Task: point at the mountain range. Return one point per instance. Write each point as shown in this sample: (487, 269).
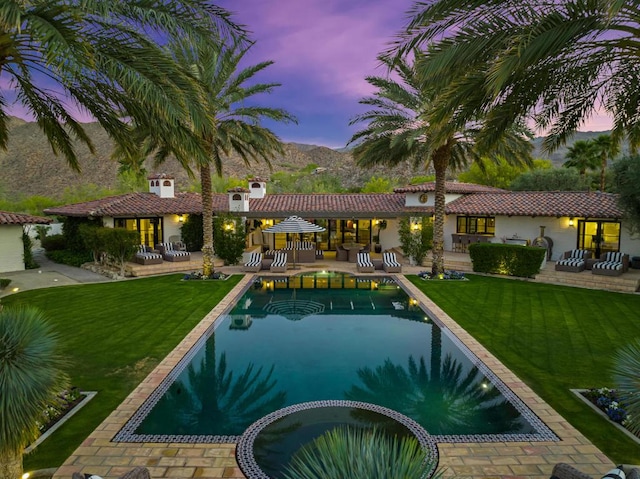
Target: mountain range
(28, 167)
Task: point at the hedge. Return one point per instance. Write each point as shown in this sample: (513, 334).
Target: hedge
(507, 259)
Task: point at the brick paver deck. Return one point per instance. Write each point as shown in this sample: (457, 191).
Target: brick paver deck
(98, 455)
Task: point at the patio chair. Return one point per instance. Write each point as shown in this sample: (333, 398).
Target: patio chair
(611, 264)
(254, 264)
(279, 264)
(566, 471)
(170, 253)
(573, 261)
(364, 263)
(389, 262)
(146, 256)
(342, 254)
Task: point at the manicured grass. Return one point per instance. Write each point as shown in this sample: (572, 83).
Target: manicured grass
(114, 334)
(554, 338)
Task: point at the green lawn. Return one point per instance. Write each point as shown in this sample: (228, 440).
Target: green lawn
(114, 334)
(554, 338)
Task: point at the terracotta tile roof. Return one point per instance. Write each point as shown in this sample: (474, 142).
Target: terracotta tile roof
(345, 205)
(450, 186)
(8, 218)
(137, 204)
(538, 203)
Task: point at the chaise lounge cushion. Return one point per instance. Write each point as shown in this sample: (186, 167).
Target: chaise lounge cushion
(146, 256)
(573, 261)
(170, 253)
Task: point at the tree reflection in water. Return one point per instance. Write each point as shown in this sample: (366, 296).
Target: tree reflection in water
(449, 402)
(212, 401)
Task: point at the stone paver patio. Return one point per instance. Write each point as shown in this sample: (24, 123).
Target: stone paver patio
(98, 455)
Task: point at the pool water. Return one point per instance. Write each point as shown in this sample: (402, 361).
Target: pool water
(330, 336)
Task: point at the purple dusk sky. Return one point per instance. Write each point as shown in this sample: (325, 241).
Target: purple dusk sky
(323, 50)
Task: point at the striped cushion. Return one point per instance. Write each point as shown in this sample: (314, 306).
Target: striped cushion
(608, 265)
(177, 253)
(279, 260)
(364, 260)
(577, 253)
(389, 258)
(571, 262)
(615, 257)
(254, 260)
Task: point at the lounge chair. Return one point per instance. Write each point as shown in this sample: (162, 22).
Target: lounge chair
(611, 264)
(573, 261)
(254, 264)
(364, 263)
(146, 256)
(389, 262)
(279, 264)
(171, 253)
(566, 471)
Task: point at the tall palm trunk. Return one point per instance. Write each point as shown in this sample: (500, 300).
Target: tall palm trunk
(10, 464)
(207, 220)
(440, 161)
(603, 167)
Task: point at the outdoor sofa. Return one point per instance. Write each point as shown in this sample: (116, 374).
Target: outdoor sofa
(611, 264)
(144, 255)
(170, 252)
(573, 261)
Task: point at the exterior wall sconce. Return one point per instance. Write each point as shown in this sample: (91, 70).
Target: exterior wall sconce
(571, 223)
(180, 218)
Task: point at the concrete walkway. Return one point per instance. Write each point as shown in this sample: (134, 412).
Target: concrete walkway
(47, 275)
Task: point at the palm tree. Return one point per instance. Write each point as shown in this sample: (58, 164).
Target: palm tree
(582, 156)
(627, 378)
(556, 62)
(232, 125)
(399, 130)
(606, 148)
(30, 379)
(102, 58)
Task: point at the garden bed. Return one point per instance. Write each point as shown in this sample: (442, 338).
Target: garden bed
(55, 416)
(605, 402)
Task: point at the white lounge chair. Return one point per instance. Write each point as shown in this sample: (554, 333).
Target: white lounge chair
(390, 263)
(279, 264)
(254, 264)
(364, 263)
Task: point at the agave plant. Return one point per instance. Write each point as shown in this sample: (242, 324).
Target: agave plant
(31, 376)
(626, 374)
(361, 454)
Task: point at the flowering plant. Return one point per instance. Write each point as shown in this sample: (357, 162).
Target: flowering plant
(448, 274)
(199, 275)
(607, 400)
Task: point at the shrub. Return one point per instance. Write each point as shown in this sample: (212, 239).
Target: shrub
(71, 231)
(119, 244)
(508, 259)
(416, 242)
(53, 243)
(4, 282)
(93, 240)
(27, 244)
(229, 242)
(71, 258)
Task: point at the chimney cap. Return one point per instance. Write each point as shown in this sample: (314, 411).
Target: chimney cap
(160, 176)
(238, 189)
(257, 178)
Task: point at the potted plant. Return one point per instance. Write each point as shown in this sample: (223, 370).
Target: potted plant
(382, 224)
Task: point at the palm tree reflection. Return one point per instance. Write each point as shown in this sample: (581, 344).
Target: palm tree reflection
(213, 401)
(450, 402)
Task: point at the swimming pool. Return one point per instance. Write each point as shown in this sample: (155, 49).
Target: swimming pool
(330, 336)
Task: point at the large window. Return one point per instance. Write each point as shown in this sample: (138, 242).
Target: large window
(599, 236)
(482, 225)
(150, 229)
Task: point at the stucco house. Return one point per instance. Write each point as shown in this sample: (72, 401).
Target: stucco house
(589, 220)
(11, 245)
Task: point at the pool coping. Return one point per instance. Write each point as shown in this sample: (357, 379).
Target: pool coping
(99, 455)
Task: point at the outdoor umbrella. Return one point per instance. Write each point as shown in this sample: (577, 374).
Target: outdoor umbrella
(294, 224)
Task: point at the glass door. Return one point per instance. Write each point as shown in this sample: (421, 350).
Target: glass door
(599, 236)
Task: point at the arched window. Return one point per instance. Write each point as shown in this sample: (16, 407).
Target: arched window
(166, 183)
(236, 197)
(255, 185)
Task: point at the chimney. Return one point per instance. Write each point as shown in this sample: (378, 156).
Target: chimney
(257, 188)
(238, 199)
(162, 185)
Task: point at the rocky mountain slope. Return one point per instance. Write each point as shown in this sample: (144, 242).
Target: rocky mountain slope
(29, 167)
